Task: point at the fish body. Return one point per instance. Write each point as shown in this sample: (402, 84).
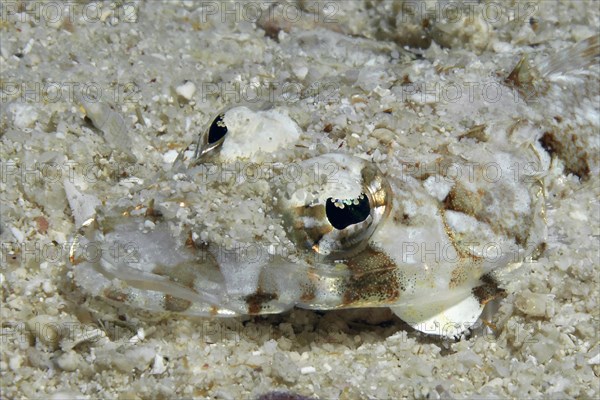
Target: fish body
(326, 232)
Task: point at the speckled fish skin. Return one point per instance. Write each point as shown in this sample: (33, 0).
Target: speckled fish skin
(428, 248)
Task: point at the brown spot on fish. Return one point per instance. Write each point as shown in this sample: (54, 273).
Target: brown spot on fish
(116, 295)
(183, 274)
(462, 200)
(569, 148)
(308, 293)
(458, 276)
(256, 300)
(374, 279)
(176, 304)
(488, 291)
(316, 233)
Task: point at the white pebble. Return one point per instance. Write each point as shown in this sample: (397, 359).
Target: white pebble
(15, 362)
(186, 90)
(139, 336)
(48, 287)
(594, 360)
(437, 187)
(307, 370)
(578, 215)
(270, 346)
(19, 236)
(24, 115)
(66, 395)
(159, 365)
(170, 156)
(131, 181)
(533, 304)
(300, 71)
(28, 46)
(284, 368)
(68, 361)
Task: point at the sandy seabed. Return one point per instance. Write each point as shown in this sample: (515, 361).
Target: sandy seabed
(430, 72)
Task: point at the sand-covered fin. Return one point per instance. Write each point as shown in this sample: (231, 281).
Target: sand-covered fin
(83, 206)
(111, 124)
(576, 58)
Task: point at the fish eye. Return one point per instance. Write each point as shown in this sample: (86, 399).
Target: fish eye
(217, 130)
(343, 213)
(212, 138)
(335, 217)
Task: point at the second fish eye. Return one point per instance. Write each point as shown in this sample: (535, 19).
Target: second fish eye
(217, 129)
(212, 138)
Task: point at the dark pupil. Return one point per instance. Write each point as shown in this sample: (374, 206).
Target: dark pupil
(217, 130)
(352, 213)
